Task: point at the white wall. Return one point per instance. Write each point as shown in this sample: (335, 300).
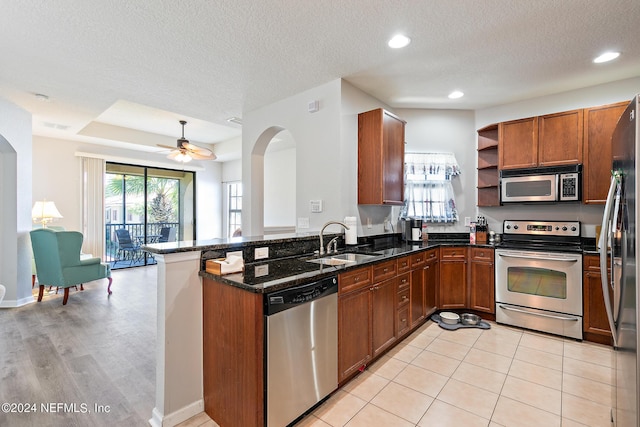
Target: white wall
(15, 197)
(448, 131)
(326, 157)
(317, 139)
(589, 215)
(280, 188)
(57, 171)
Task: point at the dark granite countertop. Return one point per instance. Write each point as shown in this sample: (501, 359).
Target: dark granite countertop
(277, 274)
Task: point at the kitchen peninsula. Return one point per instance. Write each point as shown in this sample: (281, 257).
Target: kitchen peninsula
(179, 361)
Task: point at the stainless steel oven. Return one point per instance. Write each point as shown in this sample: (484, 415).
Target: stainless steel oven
(539, 277)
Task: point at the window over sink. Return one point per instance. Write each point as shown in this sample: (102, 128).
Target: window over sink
(428, 194)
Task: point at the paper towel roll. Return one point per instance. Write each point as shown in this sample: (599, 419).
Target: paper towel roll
(351, 235)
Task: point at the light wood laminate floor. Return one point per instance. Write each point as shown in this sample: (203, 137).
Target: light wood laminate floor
(96, 350)
(101, 351)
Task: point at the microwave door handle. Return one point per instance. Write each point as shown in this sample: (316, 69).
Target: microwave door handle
(605, 238)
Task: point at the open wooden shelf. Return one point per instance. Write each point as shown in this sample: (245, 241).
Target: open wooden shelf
(488, 174)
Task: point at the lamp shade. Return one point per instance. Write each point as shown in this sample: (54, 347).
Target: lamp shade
(44, 212)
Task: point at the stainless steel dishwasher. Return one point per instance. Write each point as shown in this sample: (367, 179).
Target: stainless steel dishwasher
(301, 349)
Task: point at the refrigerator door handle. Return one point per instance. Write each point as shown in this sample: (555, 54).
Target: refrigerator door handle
(605, 238)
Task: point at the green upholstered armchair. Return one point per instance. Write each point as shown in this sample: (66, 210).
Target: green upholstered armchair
(57, 256)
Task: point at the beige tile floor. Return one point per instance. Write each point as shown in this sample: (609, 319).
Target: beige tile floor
(472, 377)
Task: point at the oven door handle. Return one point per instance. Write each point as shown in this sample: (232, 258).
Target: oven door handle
(537, 258)
(573, 319)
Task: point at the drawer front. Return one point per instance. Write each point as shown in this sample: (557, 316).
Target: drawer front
(418, 260)
(403, 297)
(384, 270)
(403, 320)
(404, 281)
(404, 264)
(353, 280)
(453, 253)
(431, 254)
(482, 254)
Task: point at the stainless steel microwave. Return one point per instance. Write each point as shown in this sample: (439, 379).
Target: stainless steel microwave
(541, 185)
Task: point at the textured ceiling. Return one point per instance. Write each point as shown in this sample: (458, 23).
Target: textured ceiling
(128, 71)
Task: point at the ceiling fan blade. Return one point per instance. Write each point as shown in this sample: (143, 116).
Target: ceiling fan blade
(200, 156)
(166, 146)
(199, 152)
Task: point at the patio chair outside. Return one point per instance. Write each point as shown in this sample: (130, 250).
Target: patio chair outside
(127, 250)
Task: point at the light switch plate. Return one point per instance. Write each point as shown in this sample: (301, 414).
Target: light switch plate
(315, 206)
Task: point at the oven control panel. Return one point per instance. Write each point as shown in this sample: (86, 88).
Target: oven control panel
(542, 228)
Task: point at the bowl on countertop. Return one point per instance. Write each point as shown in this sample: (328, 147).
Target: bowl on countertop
(449, 318)
(469, 319)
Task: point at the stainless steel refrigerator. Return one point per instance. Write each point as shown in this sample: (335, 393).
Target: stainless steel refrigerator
(618, 244)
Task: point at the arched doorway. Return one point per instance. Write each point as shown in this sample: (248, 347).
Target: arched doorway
(279, 184)
(275, 191)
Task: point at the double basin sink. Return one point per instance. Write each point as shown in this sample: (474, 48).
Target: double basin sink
(344, 258)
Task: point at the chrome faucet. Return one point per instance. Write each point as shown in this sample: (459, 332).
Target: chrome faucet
(346, 227)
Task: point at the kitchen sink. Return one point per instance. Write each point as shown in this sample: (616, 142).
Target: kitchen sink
(345, 258)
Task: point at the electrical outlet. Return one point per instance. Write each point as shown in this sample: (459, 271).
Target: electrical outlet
(467, 221)
(235, 253)
(261, 253)
(369, 225)
(261, 270)
(387, 225)
(303, 222)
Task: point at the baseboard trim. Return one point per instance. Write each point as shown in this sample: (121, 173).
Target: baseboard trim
(175, 418)
(17, 303)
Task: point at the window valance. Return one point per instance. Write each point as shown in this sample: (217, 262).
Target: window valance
(418, 165)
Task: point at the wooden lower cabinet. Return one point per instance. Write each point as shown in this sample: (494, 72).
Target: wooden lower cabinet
(431, 281)
(452, 289)
(481, 278)
(366, 316)
(417, 311)
(383, 315)
(233, 355)
(354, 340)
(595, 324)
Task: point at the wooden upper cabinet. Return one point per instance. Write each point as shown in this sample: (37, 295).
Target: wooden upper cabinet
(518, 143)
(599, 123)
(560, 138)
(380, 158)
(550, 140)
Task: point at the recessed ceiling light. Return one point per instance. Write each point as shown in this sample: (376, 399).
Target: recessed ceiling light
(399, 41)
(236, 120)
(606, 57)
(456, 94)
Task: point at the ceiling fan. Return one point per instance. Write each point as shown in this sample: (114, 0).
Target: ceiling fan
(186, 151)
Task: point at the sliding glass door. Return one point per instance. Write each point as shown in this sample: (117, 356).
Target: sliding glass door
(145, 205)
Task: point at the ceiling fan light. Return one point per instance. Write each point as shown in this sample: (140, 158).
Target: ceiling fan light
(182, 157)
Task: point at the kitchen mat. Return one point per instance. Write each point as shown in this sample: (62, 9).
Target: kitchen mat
(436, 318)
